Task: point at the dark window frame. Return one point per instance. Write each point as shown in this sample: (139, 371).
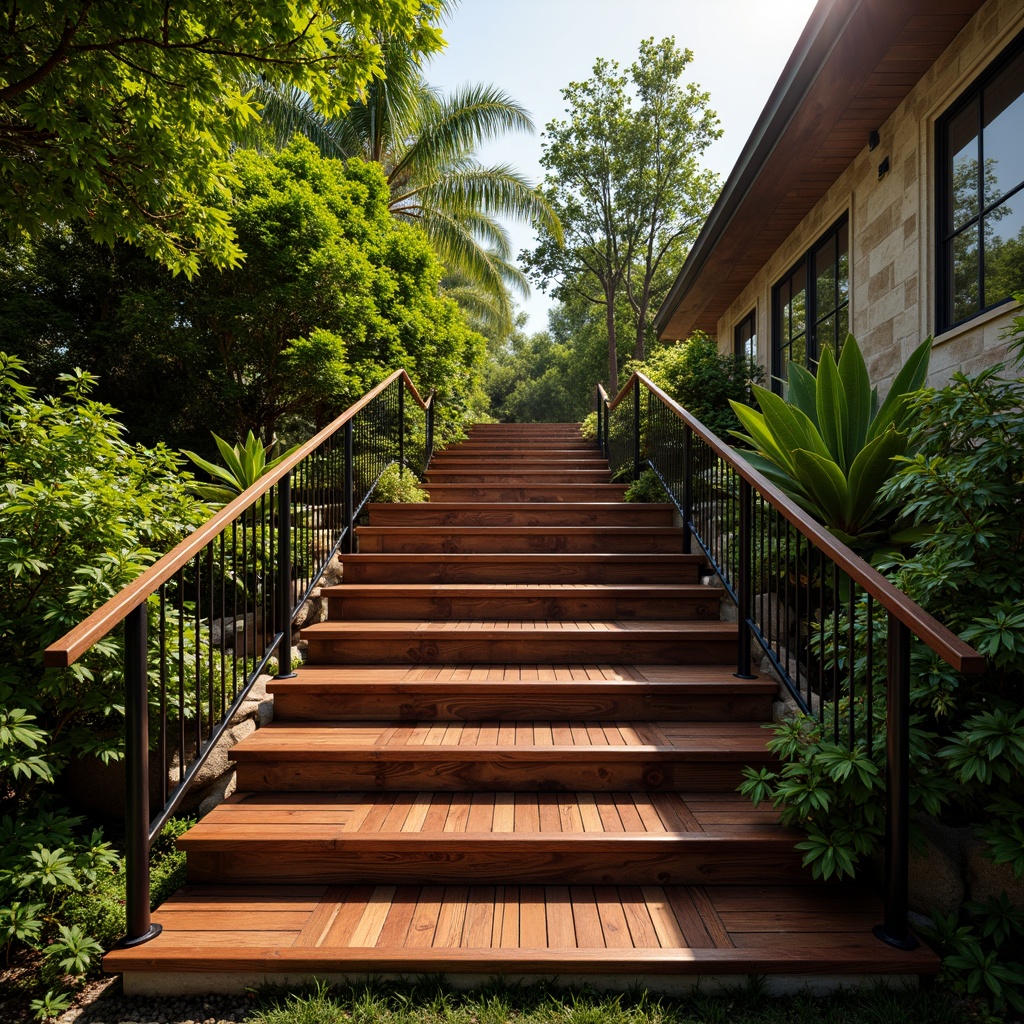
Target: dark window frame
(743, 334)
(945, 232)
(814, 317)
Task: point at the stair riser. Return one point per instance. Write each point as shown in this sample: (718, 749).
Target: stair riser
(546, 650)
(483, 571)
(518, 609)
(516, 478)
(516, 446)
(563, 514)
(627, 863)
(515, 464)
(640, 542)
(534, 492)
(600, 773)
(469, 707)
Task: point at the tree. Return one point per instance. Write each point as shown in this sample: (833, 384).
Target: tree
(426, 143)
(121, 117)
(625, 180)
(333, 294)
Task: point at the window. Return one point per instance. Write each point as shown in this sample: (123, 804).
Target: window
(811, 305)
(980, 147)
(745, 336)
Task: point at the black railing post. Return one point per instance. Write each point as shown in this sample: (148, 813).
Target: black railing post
(429, 450)
(606, 438)
(600, 417)
(687, 489)
(894, 930)
(744, 580)
(136, 816)
(349, 503)
(284, 576)
(401, 423)
(636, 429)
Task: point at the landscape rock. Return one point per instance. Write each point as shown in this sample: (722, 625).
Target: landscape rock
(936, 879)
(986, 879)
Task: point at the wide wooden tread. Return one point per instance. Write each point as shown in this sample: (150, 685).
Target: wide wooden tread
(520, 538)
(524, 741)
(525, 929)
(535, 513)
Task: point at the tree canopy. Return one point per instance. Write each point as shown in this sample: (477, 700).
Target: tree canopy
(121, 117)
(334, 293)
(625, 179)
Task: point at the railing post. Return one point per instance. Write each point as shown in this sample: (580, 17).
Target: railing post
(284, 576)
(600, 417)
(401, 423)
(894, 930)
(744, 580)
(636, 429)
(687, 489)
(606, 439)
(429, 451)
(136, 713)
(349, 502)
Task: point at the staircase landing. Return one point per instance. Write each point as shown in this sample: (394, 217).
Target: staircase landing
(514, 751)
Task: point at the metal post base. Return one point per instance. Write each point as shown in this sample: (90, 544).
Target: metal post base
(743, 675)
(288, 675)
(154, 931)
(909, 942)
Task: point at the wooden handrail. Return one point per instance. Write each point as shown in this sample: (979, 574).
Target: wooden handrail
(70, 647)
(942, 640)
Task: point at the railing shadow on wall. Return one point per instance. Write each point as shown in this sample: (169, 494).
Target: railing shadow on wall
(825, 620)
(203, 623)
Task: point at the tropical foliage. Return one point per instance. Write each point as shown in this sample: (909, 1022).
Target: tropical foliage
(242, 465)
(333, 294)
(830, 445)
(94, 96)
(426, 143)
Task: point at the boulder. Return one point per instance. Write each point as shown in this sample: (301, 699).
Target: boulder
(986, 879)
(936, 878)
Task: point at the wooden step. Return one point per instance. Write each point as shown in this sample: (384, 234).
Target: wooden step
(666, 642)
(532, 930)
(499, 756)
(521, 568)
(482, 513)
(517, 477)
(484, 539)
(533, 448)
(459, 693)
(462, 460)
(578, 838)
(522, 601)
(525, 492)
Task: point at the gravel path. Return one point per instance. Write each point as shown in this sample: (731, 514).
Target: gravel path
(113, 1007)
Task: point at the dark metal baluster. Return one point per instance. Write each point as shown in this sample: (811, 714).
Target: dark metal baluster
(744, 581)
(869, 671)
(284, 576)
(136, 712)
(894, 930)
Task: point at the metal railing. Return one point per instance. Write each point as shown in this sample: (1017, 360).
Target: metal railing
(205, 621)
(826, 621)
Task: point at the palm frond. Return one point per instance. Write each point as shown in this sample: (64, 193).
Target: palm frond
(288, 111)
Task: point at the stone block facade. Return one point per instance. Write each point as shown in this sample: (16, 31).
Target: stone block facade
(892, 227)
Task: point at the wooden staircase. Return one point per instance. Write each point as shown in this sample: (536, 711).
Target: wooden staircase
(514, 750)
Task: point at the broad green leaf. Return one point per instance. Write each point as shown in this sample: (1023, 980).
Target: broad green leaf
(789, 426)
(870, 469)
(832, 411)
(803, 392)
(761, 436)
(910, 379)
(826, 484)
(853, 375)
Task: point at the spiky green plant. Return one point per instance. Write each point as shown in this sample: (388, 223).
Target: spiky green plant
(830, 445)
(243, 465)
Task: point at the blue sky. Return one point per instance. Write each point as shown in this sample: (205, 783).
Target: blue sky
(533, 48)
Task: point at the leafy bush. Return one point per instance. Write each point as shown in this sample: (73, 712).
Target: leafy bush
(962, 491)
(830, 445)
(243, 465)
(399, 484)
(647, 488)
(84, 513)
(702, 380)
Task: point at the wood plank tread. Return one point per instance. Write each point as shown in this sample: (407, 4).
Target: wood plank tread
(529, 929)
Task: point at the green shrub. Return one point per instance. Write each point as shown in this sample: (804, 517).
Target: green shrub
(962, 490)
(399, 484)
(702, 380)
(647, 488)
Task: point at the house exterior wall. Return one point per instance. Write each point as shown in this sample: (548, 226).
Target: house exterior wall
(892, 227)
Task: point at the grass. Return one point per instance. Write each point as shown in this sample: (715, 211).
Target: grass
(430, 1002)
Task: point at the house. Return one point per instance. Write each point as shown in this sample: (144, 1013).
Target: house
(881, 192)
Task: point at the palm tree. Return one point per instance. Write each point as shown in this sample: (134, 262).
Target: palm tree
(426, 144)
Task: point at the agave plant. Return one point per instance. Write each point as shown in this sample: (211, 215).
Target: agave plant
(830, 445)
(243, 465)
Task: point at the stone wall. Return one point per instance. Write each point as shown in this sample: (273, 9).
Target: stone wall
(892, 234)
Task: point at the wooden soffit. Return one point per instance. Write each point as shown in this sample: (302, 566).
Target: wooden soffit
(853, 65)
